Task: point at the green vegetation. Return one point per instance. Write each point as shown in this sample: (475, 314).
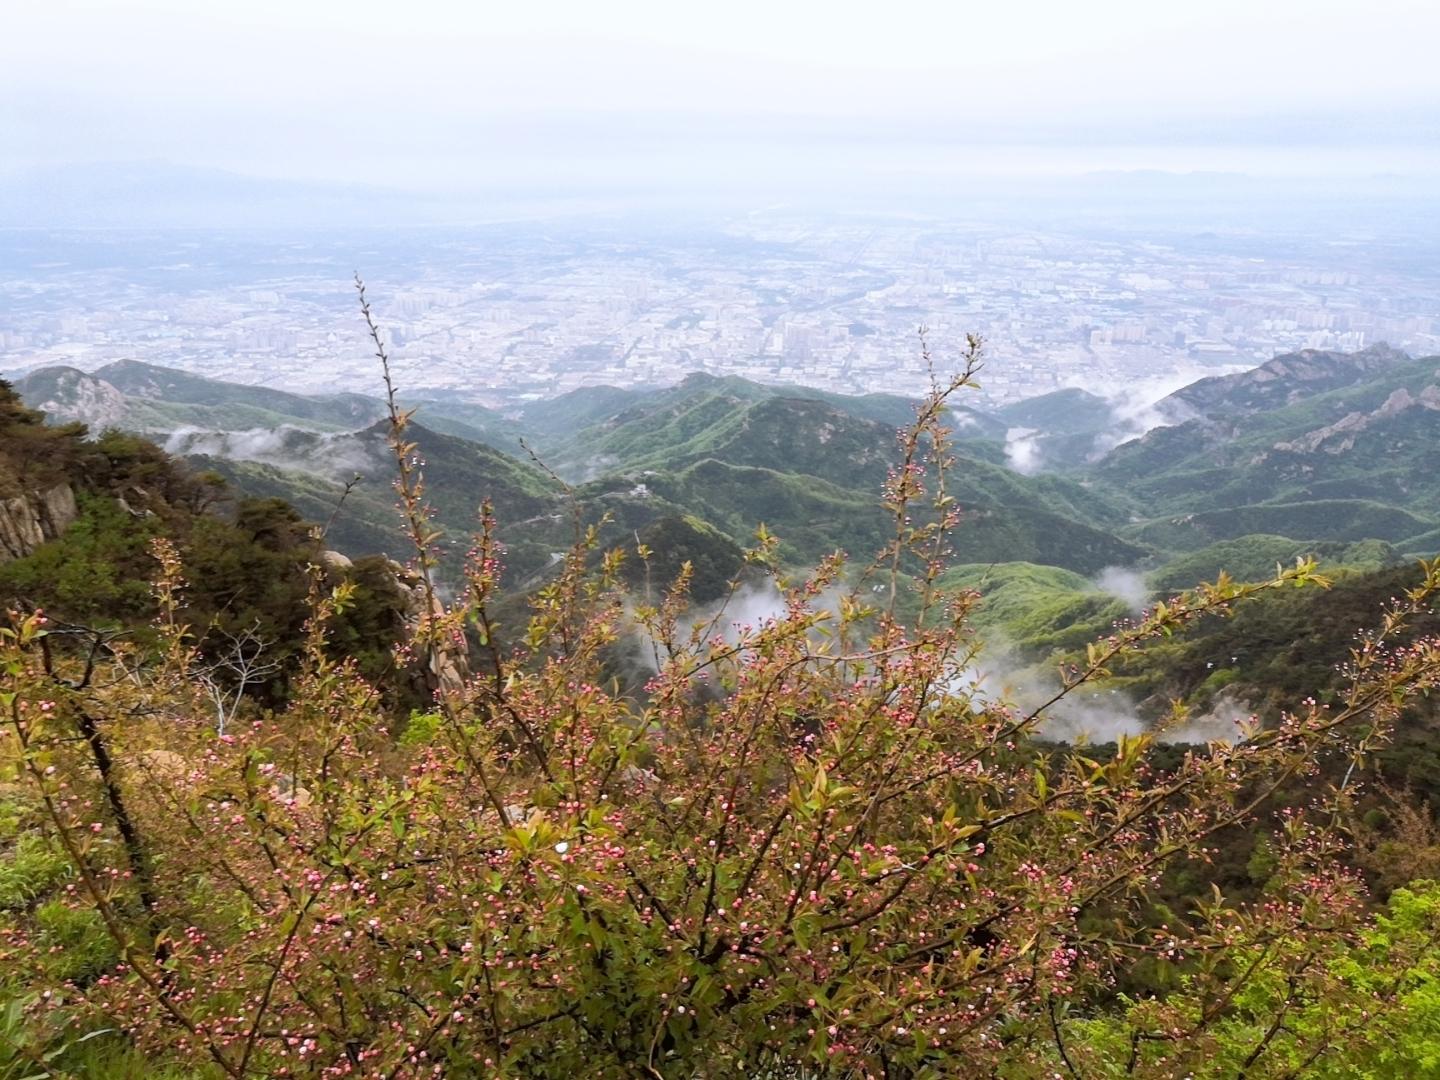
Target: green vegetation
(1071, 411)
(1286, 380)
(1036, 610)
(673, 542)
(696, 417)
(33, 455)
(513, 847)
(1345, 520)
(466, 420)
(1322, 447)
(780, 854)
(1254, 556)
(171, 387)
(1289, 644)
(1349, 454)
(247, 559)
(146, 398)
(99, 566)
(1394, 1012)
(364, 520)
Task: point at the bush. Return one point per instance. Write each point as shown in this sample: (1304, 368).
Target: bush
(30, 871)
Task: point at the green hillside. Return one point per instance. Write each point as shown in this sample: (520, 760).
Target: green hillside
(814, 517)
(1071, 411)
(1335, 519)
(703, 415)
(1281, 382)
(788, 434)
(368, 524)
(467, 420)
(1254, 557)
(576, 410)
(673, 541)
(810, 466)
(1339, 462)
(1315, 452)
(1389, 459)
(1425, 545)
(1279, 648)
(1034, 610)
(560, 417)
(808, 437)
(244, 559)
(66, 393)
(309, 470)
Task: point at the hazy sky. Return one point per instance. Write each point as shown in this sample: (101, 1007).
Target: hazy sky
(446, 92)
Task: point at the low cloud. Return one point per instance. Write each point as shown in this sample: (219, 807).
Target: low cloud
(996, 679)
(1141, 407)
(1226, 718)
(749, 609)
(1125, 585)
(1086, 714)
(1022, 451)
(337, 456)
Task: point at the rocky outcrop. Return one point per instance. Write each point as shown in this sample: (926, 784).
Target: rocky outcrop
(447, 667)
(334, 563)
(1340, 436)
(27, 521)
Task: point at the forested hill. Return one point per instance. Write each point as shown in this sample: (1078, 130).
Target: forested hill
(1282, 381)
(1315, 448)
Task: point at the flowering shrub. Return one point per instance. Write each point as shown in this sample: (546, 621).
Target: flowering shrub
(802, 849)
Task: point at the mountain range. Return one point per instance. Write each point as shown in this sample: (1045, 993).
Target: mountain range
(729, 452)
(1316, 446)
(1313, 451)
(1311, 454)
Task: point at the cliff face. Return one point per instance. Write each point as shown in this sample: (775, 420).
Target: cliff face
(27, 521)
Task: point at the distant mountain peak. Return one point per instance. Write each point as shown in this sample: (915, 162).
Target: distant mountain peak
(129, 364)
(67, 393)
(1278, 382)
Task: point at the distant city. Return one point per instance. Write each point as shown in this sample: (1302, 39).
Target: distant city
(508, 313)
